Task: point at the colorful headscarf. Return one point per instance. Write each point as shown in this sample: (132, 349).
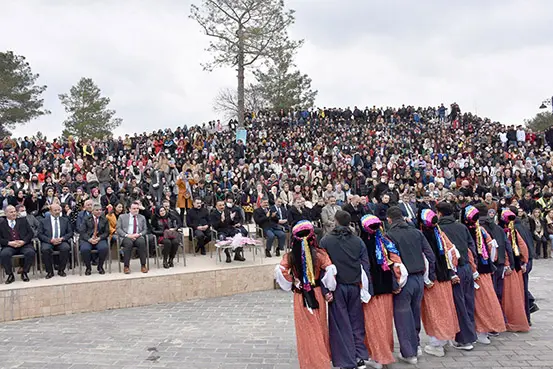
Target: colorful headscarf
(302, 231)
(471, 218)
(508, 217)
(372, 225)
(429, 219)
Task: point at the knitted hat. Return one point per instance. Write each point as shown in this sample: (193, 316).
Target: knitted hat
(303, 228)
(371, 223)
(428, 218)
(471, 214)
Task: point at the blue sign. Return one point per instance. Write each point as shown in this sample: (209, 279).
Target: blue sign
(241, 136)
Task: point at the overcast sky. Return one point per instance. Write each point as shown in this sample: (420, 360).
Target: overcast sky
(493, 57)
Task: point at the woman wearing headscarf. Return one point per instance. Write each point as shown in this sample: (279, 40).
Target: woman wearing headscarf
(165, 228)
(388, 275)
(301, 271)
(488, 316)
(515, 264)
(438, 312)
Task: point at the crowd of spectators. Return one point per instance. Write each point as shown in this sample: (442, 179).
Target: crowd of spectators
(304, 164)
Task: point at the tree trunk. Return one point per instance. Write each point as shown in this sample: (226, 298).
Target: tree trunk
(240, 77)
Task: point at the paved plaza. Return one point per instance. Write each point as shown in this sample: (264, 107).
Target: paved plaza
(249, 331)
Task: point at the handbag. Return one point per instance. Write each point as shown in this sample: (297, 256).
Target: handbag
(170, 234)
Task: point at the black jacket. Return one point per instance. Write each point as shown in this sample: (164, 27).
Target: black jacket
(413, 247)
(460, 236)
(294, 215)
(348, 253)
(45, 234)
(526, 236)
(87, 228)
(197, 217)
(263, 221)
(21, 226)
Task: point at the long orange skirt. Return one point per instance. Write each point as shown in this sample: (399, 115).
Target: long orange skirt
(438, 313)
(379, 328)
(488, 315)
(513, 303)
(312, 333)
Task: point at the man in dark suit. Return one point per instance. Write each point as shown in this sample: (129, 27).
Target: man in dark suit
(408, 209)
(15, 238)
(281, 212)
(94, 233)
(54, 234)
(224, 221)
(197, 218)
(268, 221)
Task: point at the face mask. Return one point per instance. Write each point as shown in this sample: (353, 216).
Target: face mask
(229, 204)
(23, 214)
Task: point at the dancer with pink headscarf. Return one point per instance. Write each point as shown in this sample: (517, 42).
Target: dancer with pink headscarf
(388, 275)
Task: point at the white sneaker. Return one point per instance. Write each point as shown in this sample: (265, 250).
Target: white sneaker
(458, 346)
(483, 338)
(409, 360)
(373, 364)
(434, 350)
(419, 351)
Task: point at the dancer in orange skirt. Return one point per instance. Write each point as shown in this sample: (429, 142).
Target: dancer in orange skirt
(300, 271)
(488, 315)
(387, 275)
(438, 313)
(515, 264)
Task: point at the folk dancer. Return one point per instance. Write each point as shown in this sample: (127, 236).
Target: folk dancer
(300, 271)
(388, 275)
(439, 316)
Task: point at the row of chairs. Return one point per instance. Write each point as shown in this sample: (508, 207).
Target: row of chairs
(219, 249)
(75, 255)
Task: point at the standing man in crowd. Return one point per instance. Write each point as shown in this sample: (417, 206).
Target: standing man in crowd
(413, 248)
(132, 229)
(345, 319)
(54, 234)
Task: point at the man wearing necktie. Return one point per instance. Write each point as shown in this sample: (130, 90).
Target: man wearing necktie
(54, 235)
(132, 229)
(15, 238)
(94, 233)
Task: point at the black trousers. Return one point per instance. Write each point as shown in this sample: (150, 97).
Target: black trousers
(170, 248)
(28, 252)
(128, 244)
(47, 252)
(203, 237)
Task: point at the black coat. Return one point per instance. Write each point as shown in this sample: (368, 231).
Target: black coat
(45, 233)
(87, 228)
(21, 226)
(460, 236)
(197, 217)
(263, 221)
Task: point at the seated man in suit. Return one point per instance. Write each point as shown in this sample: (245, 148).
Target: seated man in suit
(268, 221)
(281, 212)
(54, 235)
(94, 233)
(222, 220)
(15, 238)
(132, 229)
(197, 218)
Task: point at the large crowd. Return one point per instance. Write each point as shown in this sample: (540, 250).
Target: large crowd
(305, 164)
(329, 173)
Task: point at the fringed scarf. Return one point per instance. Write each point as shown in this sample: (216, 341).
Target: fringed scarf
(303, 233)
(383, 247)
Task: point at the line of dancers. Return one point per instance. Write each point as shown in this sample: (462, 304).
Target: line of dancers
(464, 281)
